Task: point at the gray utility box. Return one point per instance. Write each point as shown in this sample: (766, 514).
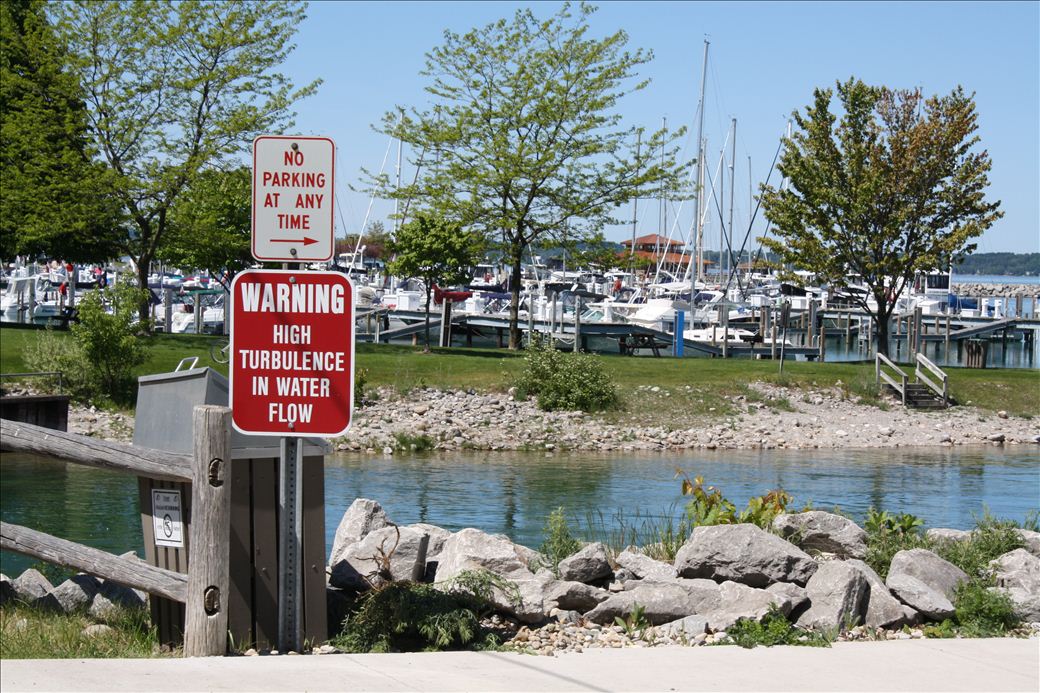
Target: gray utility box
(164, 422)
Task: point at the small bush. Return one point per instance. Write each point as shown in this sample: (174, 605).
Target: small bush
(983, 612)
(562, 380)
(406, 442)
(409, 616)
(774, 629)
(98, 362)
(991, 539)
(558, 543)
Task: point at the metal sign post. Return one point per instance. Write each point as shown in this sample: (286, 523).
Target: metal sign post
(290, 545)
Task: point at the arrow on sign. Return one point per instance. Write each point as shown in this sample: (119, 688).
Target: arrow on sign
(306, 240)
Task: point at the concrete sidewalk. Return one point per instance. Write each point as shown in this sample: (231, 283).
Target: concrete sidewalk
(913, 665)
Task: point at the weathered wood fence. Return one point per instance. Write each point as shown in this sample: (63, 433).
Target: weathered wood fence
(204, 590)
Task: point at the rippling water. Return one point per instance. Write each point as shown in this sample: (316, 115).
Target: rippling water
(513, 493)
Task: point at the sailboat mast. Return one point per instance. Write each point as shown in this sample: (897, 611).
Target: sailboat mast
(732, 189)
(635, 209)
(700, 185)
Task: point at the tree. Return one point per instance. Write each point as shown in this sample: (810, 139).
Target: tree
(56, 201)
(375, 240)
(210, 222)
(523, 139)
(436, 251)
(173, 89)
(893, 188)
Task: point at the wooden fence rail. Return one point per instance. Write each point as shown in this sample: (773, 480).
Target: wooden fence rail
(71, 447)
(204, 590)
(126, 571)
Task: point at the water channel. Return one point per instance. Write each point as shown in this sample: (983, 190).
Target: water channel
(513, 493)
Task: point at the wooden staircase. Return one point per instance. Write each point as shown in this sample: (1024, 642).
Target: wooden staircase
(923, 392)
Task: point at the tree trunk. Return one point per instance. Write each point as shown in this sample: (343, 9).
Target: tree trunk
(881, 332)
(514, 298)
(144, 308)
(427, 338)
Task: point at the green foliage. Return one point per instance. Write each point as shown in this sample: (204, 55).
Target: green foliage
(174, 89)
(774, 629)
(565, 380)
(98, 362)
(883, 522)
(523, 138)
(407, 442)
(707, 505)
(658, 536)
(27, 633)
(1015, 264)
(360, 380)
(210, 223)
(636, 620)
(557, 541)
(437, 251)
(409, 616)
(892, 187)
(991, 539)
(983, 612)
(56, 199)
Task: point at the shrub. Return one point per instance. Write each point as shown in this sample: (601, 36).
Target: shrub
(558, 543)
(981, 611)
(562, 380)
(709, 507)
(410, 616)
(774, 629)
(406, 442)
(990, 539)
(98, 361)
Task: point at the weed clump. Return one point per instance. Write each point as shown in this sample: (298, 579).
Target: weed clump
(774, 629)
(565, 381)
(409, 616)
(558, 542)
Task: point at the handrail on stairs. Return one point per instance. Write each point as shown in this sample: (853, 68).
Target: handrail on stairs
(944, 391)
(879, 375)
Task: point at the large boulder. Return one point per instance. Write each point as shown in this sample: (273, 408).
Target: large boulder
(575, 596)
(644, 567)
(883, 610)
(929, 568)
(362, 517)
(946, 534)
(926, 600)
(528, 600)
(31, 585)
(397, 553)
(792, 593)
(76, 593)
(837, 596)
(688, 627)
(7, 593)
(1018, 574)
(738, 602)
(743, 553)
(820, 531)
(587, 565)
(1031, 539)
(662, 602)
(471, 549)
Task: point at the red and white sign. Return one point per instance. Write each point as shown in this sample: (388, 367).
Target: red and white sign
(293, 187)
(292, 353)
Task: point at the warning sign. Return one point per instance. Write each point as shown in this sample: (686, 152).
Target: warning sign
(166, 518)
(293, 184)
(292, 353)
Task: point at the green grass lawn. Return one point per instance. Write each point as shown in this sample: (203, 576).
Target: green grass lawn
(695, 383)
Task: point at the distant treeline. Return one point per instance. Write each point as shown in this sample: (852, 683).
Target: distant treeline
(1014, 264)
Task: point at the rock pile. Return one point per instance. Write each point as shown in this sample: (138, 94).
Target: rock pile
(967, 289)
(81, 593)
(818, 418)
(722, 574)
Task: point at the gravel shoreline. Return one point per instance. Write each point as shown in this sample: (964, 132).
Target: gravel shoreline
(460, 420)
(977, 289)
(820, 418)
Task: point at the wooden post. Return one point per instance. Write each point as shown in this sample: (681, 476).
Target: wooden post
(772, 345)
(226, 324)
(946, 345)
(725, 331)
(530, 318)
(206, 611)
(823, 340)
(445, 340)
(168, 310)
(577, 323)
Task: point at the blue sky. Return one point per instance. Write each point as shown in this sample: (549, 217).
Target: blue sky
(765, 60)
